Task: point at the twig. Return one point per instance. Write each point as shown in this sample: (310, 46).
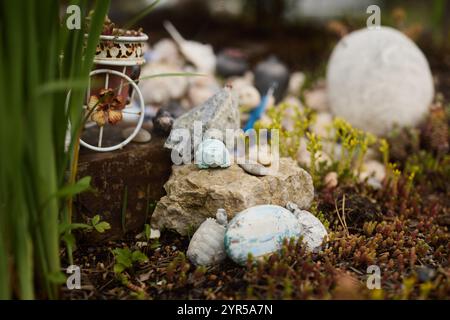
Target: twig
(344, 226)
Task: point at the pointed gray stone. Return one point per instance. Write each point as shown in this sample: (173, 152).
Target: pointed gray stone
(219, 112)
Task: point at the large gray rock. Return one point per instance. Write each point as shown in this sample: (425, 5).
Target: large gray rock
(194, 195)
(219, 112)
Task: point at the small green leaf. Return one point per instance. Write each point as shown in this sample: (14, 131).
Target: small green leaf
(95, 220)
(123, 256)
(82, 185)
(138, 256)
(119, 268)
(102, 226)
(147, 231)
(155, 244)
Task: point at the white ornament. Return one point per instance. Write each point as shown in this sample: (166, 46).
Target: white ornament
(379, 78)
(312, 230)
(200, 55)
(160, 90)
(259, 231)
(249, 97)
(166, 51)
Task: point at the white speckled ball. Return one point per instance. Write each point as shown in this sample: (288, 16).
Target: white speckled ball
(378, 78)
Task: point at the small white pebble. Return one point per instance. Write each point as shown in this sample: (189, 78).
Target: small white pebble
(155, 234)
(331, 180)
(142, 136)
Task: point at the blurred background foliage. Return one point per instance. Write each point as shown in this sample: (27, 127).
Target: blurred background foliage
(302, 33)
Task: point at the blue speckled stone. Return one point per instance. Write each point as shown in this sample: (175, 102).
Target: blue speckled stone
(259, 230)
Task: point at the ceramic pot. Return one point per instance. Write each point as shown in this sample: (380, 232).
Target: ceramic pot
(124, 54)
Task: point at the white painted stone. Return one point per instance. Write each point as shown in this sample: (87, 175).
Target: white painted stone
(249, 97)
(296, 83)
(200, 55)
(154, 234)
(160, 90)
(259, 231)
(290, 113)
(317, 98)
(331, 180)
(379, 78)
(201, 88)
(323, 125)
(373, 169)
(166, 51)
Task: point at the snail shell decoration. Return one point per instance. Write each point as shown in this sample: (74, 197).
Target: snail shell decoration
(207, 247)
(212, 153)
(312, 230)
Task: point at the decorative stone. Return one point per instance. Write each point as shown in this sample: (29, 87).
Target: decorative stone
(212, 153)
(260, 152)
(175, 109)
(323, 125)
(269, 72)
(296, 83)
(200, 55)
(256, 169)
(207, 246)
(313, 232)
(142, 136)
(166, 51)
(259, 231)
(201, 88)
(249, 97)
(246, 80)
(231, 62)
(163, 122)
(194, 195)
(160, 90)
(155, 234)
(317, 98)
(331, 180)
(374, 171)
(219, 112)
(379, 78)
(290, 113)
(199, 94)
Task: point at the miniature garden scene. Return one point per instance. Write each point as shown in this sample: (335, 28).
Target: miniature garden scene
(238, 149)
